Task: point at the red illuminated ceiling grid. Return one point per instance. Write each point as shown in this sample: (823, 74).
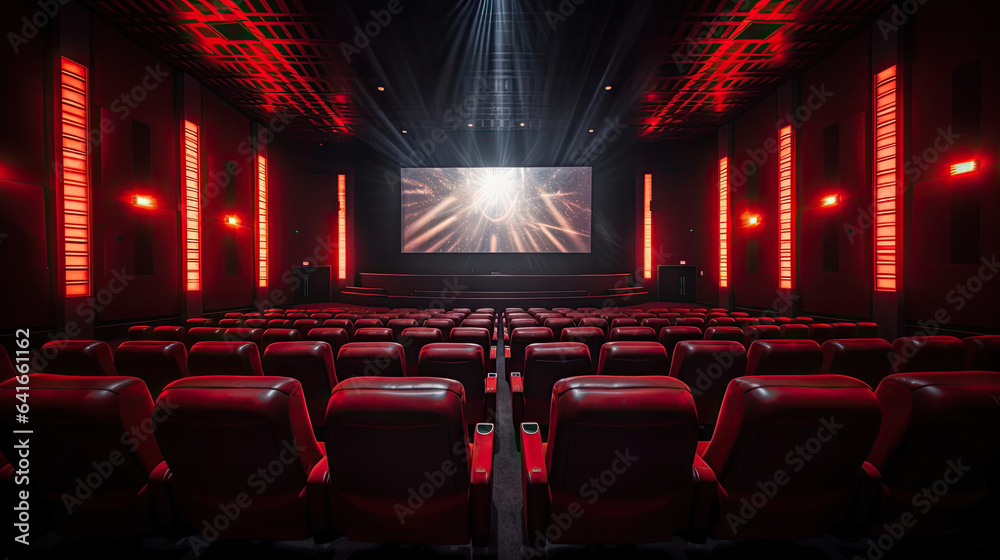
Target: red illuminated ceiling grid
(264, 55)
(886, 181)
(786, 209)
(725, 54)
(261, 222)
(75, 178)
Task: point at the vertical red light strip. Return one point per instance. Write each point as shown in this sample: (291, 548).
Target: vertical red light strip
(342, 227)
(261, 222)
(886, 134)
(75, 178)
(724, 222)
(192, 205)
(786, 206)
(647, 227)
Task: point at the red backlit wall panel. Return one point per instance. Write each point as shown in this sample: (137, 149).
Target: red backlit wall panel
(192, 207)
(886, 182)
(75, 178)
(261, 222)
(342, 227)
(647, 227)
(786, 209)
(724, 222)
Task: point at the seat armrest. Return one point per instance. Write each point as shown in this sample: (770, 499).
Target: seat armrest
(705, 495)
(317, 494)
(534, 482)
(517, 401)
(481, 484)
(866, 501)
(491, 398)
(160, 496)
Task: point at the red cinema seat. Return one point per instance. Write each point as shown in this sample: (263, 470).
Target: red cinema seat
(488, 310)
(592, 337)
(783, 321)
(443, 325)
(557, 324)
(311, 363)
(305, 325)
(938, 451)
(844, 330)
(379, 334)
(670, 336)
(798, 442)
(7, 369)
(821, 332)
(766, 321)
(168, 334)
(321, 316)
(982, 353)
(234, 315)
(656, 324)
(784, 357)
(519, 341)
(198, 322)
(370, 321)
(597, 322)
(465, 363)
(397, 326)
(633, 357)
(77, 357)
(279, 323)
(754, 333)
(672, 317)
(352, 317)
(278, 335)
(794, 331)
(688, 321)
(722, 322)
(463, 310)
(371, 359)
(738, 314)
(418, 317)
(484, 316)
(254, 324)
(230, 323)
(520, 324)
(224, 358)
(348, 326)
(867, 359)
(927, 353)
(744, 322)
(140, 332)
(707, 367)
(732, 334)
(480, 336)
(245, 443)
(203, 334)
(623, 322)
(384, 437)
(632, 333)
(157, 363)
(544, 365)
(413, 339)
(608, 422)
(867, 330)
(244, 334)
(336, 338)
(90, 428)
(643, 315)
(295, 315)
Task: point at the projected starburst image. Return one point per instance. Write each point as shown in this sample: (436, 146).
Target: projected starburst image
(496, 210)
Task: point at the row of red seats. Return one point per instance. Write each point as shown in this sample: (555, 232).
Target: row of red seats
(792, 457)
(316, 364)
(707, 367)
(235, 458)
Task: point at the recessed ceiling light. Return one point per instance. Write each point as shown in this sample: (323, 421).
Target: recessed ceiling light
(522, 124)
(404, 132)
(607, 88)
(591, 130)
(380, 88)
(470, 124)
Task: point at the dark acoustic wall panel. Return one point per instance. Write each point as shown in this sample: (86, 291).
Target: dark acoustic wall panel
(142, 177)
(966, 114)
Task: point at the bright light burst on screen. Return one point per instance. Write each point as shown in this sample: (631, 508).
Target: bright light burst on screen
(496, 210)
